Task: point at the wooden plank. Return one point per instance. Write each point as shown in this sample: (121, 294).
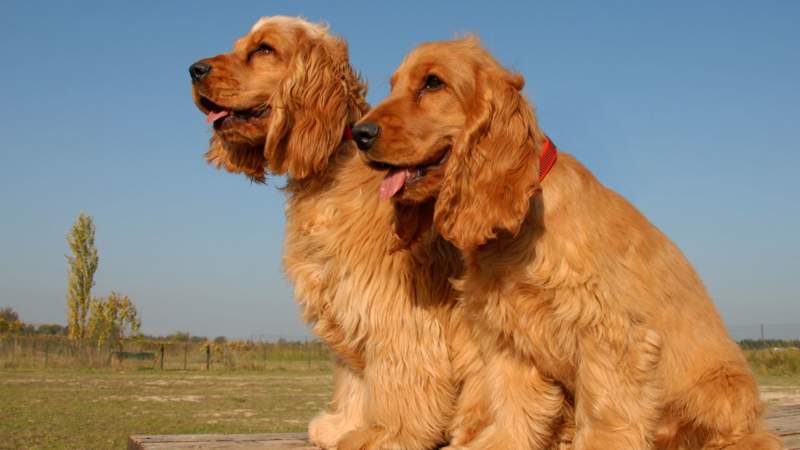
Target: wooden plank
(785, 420)
(271, 441)
(782, 411)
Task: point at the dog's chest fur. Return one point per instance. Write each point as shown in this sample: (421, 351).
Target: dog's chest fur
(533, 322)
(360, 297)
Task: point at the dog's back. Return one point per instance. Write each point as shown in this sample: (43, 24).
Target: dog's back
(710, 396)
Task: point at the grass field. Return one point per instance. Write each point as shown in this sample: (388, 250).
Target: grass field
(68, 408)
(98, 409)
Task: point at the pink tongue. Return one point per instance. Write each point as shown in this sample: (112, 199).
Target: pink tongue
(393, 182)
(213, 116)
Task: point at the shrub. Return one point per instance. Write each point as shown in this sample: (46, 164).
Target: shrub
(775, 361)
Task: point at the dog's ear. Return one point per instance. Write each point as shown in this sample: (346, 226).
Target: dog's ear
(243, 160)
(312, 108)
(494, 167)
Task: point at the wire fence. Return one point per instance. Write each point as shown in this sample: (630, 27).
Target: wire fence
(26, 351)
(256, 353)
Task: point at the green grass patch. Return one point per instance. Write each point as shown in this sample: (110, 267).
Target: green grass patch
(98, 409)
(775, 362)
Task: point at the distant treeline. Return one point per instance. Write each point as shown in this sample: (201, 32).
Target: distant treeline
(54, 329)
(48, 329)
(10, 324)
(757, 344)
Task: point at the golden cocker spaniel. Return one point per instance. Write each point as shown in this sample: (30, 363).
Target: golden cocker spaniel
(573, 294)
(282, 102)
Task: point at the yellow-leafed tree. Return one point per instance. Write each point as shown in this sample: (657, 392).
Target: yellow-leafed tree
(9, 321)
(112, 318)
(82, 266)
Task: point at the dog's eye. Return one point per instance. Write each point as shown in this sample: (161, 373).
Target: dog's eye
(262, 49)
(432, 82)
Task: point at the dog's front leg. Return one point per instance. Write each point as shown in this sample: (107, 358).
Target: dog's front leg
(346, 412)
(618, 390)
(410, 400)
(526, 407)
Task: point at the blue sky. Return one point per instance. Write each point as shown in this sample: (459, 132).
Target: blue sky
(689, 109)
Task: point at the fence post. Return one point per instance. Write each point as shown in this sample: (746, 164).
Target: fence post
(162, 357)
(185, 354)
(208, 357)
(46, 348)
(762, 332)
(14, 349)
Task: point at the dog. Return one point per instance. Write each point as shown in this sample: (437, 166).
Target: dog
(571, 291)
(282, 102)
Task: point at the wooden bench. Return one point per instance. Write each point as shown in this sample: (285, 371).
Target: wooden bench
(783, 419)
(786, 421)
(136, 356)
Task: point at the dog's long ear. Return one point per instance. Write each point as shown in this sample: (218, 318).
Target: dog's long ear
(494, 167)
(312, 108)
(244, 160)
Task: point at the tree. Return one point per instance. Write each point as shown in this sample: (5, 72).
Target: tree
(82, 266)
(179, 336)
(9, 315)
(9, 321)
(112, 319)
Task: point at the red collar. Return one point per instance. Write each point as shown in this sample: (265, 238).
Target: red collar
(547, 159)
(348, 133)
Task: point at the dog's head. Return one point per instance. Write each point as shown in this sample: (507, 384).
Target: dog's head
(456, 129)
(280, 100)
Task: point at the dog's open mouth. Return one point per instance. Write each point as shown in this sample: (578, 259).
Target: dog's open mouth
(220, 116)
(400, 177)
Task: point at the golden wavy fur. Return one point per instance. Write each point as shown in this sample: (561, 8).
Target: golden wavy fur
(572, 292)
(280, 101)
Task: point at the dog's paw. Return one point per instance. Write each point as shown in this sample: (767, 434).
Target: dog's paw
(356, 439)
(364, 438)
(326, 430)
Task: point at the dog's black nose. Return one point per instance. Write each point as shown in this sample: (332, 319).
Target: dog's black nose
(365, 134)
(199, 70)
